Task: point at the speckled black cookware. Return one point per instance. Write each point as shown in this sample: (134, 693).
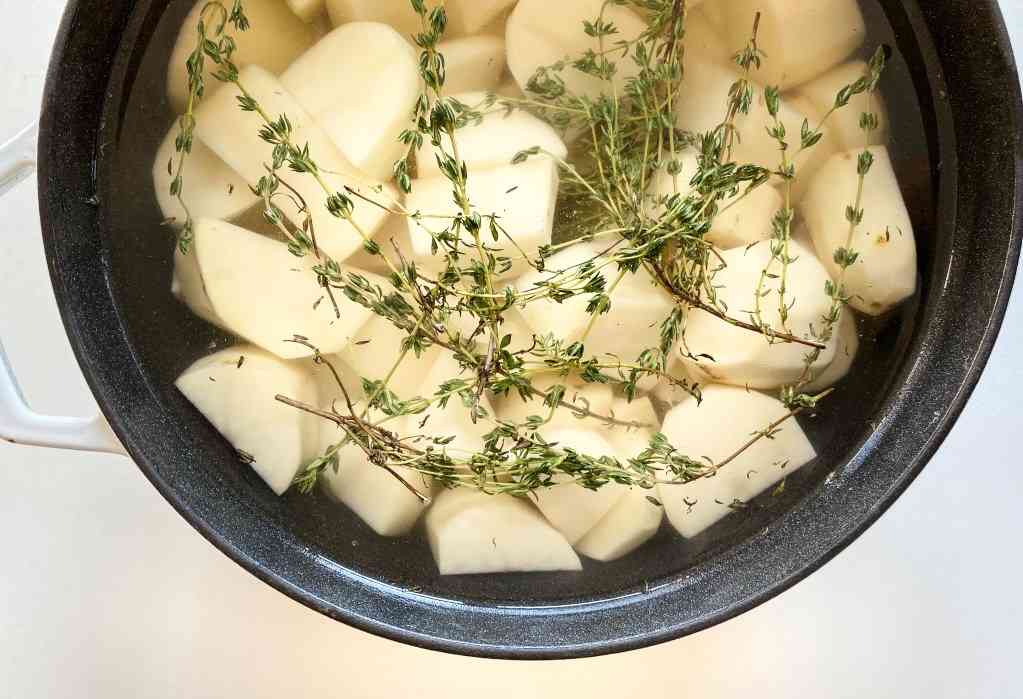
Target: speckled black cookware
(110, 265)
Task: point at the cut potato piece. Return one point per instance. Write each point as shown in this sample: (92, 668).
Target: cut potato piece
(715, 429)
(267, 295)
(541, 33)
(510, 89)
(454, 420)
(844, 124)
(741, 220)
(571, 508)
(307, 10)
(274, 39)
(635, 518)
(331, 396)
(745, 358)
(702, 101)
(394, 233)
(496, 139)
(595, 397)
(188, 288)
(670, 393)
(522, 198)
(472, 64)
(374, 352)
(464, 16)
(632, 324)
(800, 40)
(884, 273)
(379, 498)
(847, 345)
(234, 136)
(211, 188)
(471, 532)
(237, 396)
(357, 59)
(627, 526)
(702, 37)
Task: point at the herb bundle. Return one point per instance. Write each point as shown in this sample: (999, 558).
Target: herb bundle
(625, 135)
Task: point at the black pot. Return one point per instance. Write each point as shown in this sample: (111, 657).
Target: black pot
(110, 266)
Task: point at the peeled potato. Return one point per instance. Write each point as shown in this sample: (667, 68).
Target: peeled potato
(741, 220)
(211, 188)
(702, 38)
(701, 107)
(523, 198)
(496, 139)
(188, 288)
(800, 40)
(471, 532)
(745, 358)
(595, 397)
(632, 325)
(455, 419)
(307, 10)
(234, 136)
(393, 233)
(669, 393)
(627, 526)
(636, 517)
(262, 292)
(571, 508)
(541, 33)
(715, 429)
(884, 274)
(377, 496)
(235, 390)
(847, 342)
(339, 82)
(374, 352)
(510, 89)
(472, 64)
(464, 16)
(844, 124)
(274, 39)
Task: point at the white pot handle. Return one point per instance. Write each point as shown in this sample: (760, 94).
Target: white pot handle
(18, 423)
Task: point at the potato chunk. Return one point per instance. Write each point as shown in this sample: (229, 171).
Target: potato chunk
(453, 420)
(339, 80)
(800, 39)
(745, 358)
(541, 33)
(235, 390)
(884, 273)
(188, 288)
(262, 292)
(496, 139)
(847, 341)
(374, 352)
(522, 199)
(473, 64)
(211, 188)
(464, 16)
(703, 99)
(844, 124)
(632, 324)
(741, 220)
(715, 429)
(234, 136)
(372, 492)
(274, 39)
(471, 532)
(307, 10)
(635, 519)
(571, 508)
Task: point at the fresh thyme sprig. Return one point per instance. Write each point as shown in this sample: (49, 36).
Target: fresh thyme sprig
(627, 134)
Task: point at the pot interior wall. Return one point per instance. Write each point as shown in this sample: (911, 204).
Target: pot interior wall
(166, 338)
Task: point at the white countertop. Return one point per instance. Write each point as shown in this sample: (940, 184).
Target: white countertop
(106, 592)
